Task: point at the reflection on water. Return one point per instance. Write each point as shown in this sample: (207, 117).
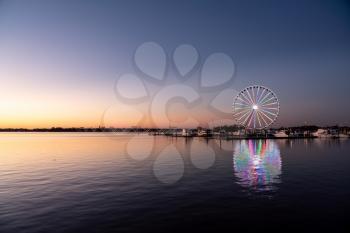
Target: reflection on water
(257, 164)
(79, 182)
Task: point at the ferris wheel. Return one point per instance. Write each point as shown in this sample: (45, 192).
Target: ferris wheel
(256, 107)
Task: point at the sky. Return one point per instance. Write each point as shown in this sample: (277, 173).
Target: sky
(59, 60)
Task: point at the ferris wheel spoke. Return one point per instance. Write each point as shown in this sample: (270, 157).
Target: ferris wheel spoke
(258, 117)
(268, 122)
(250, 97)
(242, 104)
(255, 121)
(244, 118)
(253, 94)
(270, 109)
(240, 113)
(267, 101)
(266, 116)
(257, 94)
(263, 119)
(261, 95)
(271, 113)
(245, 114)
(247, 118)
(265, 96)
(245, 98)
(245, 122)
(240, 97)
(241, 108)
(273, 103)
(243, 101)
(251, 118)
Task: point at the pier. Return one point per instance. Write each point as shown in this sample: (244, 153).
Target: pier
(235, 132)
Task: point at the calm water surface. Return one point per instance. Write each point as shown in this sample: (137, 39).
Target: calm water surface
(74, 182)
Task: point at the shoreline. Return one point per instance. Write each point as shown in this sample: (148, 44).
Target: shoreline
(219, 137)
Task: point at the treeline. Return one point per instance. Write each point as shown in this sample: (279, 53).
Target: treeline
(81, 129)
(226, 128)
(53, 129)
(303, 128)
(313, 128)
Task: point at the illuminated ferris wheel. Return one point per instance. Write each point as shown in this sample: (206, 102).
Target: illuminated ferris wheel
(256, 107)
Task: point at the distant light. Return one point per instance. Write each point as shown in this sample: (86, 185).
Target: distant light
(255, 107)
(256, 161)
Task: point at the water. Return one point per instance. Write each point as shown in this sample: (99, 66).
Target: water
(74, 182)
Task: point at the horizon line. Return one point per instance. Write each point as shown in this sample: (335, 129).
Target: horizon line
(5, 129)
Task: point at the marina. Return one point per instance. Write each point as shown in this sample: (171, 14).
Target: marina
(257, 134)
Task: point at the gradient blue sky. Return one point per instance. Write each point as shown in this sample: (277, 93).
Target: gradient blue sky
(59, 59)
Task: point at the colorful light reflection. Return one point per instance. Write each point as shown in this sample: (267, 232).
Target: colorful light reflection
(257, 164)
